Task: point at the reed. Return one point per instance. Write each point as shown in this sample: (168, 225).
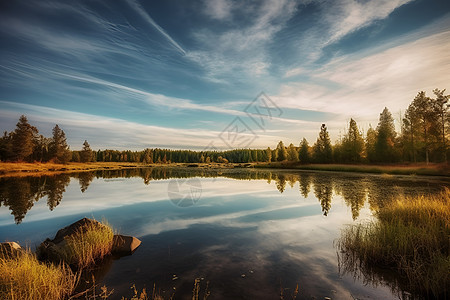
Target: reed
(90, 243)
(411, 237)
(23, 277)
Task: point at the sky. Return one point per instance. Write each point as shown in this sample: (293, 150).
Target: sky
(216, 74)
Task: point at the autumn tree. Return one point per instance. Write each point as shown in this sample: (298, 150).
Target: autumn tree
(86, 154)
(59, 150)
(322, 151)
(23, 139)
(303, 154)
(148, 157)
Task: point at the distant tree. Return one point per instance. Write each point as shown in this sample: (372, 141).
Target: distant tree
(322, 151)
(385, 141)
(292, 154)
(41, 148)
(281, 152)
(147, 159)
(76, 156)
(304, 152)
(441, 108)
(208, 160)
(202, 159)
(275, 155)
(59, 150)
(86, 154)
(23, 139)
(6, 152)
(371, 139)
(268, 154)
(352, 144)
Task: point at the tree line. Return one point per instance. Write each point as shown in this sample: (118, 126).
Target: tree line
(424, 137)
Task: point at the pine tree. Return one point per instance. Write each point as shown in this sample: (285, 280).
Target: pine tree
(292, 154)
(6, 152)
(441, 108)
(322, 151)
(59, 149)
(304, 152)
(268, 154)
(353, 144)
(385, 141)
(23, 139)
(371, 139)
(281, 152)
(86, 154)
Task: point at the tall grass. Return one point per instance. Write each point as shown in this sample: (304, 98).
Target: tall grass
(23, 277)
(90, 243)
(411, 237)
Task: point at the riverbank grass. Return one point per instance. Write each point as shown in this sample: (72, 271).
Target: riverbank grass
(24, 277)
(90, 243)
(410, 237)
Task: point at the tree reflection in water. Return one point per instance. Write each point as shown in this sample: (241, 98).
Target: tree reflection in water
(20, 193)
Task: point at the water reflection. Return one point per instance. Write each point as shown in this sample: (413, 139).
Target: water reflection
(255, 222)
(19, 194)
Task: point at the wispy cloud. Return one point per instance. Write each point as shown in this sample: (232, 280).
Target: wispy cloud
(344, 17)
(361, 86)
(218, 9)
(242, 51)
(138, 8)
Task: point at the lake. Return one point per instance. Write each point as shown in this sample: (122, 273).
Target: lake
(250, 233)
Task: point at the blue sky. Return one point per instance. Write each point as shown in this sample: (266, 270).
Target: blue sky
(132, 74)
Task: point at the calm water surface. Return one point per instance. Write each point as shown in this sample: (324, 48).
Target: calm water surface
(250, 233)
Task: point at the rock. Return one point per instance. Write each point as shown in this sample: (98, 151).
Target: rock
(10, 250)
(124, 245)
(75, 227)
(54, 250)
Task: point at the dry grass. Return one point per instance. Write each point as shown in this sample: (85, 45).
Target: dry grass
(410, 237)
(23, 277)
(156, 294)
(396, 169)
(90, 243)
(39, 169)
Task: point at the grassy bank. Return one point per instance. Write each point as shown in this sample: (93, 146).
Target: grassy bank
(30, 169)
(412, 169)
(411, 238)
(24, 277)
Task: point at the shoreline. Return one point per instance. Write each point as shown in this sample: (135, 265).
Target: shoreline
(15, 169)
